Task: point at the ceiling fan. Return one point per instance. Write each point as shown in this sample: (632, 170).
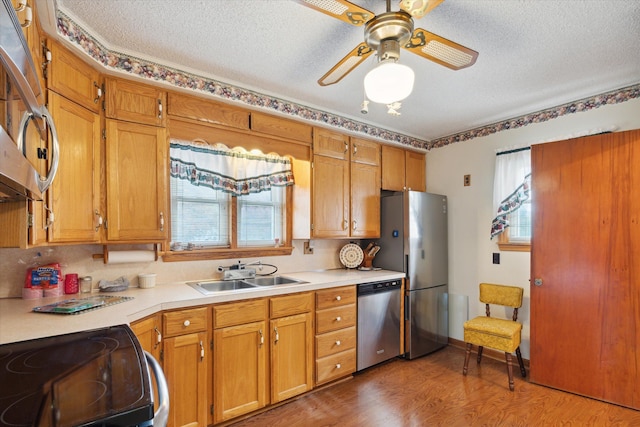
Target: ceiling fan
(387, 32)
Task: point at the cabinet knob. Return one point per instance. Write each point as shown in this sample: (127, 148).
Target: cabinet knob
(186, 323)
(338, 319)
(338, 342)
(338, 366)
(338, 298)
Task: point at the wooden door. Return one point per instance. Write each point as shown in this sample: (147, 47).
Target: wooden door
(137, 169)
(415, 171)
(185, 366)
(240, 380)
(365, 201)
(585, 266)
(330, 196)
(291, 356)
(74, 195)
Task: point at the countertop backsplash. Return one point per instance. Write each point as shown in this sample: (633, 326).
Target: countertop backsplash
(79, 259)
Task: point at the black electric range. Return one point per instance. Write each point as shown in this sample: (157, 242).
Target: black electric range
(92, 378)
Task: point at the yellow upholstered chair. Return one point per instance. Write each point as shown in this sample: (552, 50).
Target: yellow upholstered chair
(495, 333)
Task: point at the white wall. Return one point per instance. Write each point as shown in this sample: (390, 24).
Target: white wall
(470, 208)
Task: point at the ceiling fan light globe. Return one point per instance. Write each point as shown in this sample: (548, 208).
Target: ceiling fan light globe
(389, 82)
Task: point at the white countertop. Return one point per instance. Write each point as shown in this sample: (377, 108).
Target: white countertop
(19, 323)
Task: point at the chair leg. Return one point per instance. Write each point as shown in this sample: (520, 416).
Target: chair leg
(466, 359)
(523, 371)
(510, 370)
(480, 348)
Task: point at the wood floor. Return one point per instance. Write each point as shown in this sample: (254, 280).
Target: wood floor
(431, 391)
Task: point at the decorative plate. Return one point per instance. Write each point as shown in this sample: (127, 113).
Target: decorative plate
(351, 255)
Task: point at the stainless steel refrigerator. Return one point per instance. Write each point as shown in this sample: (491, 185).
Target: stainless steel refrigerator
(413, 239)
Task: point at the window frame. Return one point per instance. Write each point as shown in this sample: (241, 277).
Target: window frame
(235, 251)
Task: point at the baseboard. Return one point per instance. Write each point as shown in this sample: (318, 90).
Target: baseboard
(487, 352)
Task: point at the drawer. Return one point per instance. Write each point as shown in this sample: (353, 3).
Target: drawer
(289, 305)
(185, 321)
(335, 342)
(332, 319)
(335, 297)
(335, 366)
(238, 313)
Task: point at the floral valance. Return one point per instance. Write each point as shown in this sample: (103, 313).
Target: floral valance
(234, 171)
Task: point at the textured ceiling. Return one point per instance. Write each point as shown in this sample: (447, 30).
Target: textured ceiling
(533, 55)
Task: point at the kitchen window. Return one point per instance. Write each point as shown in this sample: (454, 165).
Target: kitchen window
(228, 203)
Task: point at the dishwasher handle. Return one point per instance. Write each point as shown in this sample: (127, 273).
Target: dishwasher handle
(161, 416)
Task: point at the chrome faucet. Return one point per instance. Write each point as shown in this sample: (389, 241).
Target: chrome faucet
(238, 271)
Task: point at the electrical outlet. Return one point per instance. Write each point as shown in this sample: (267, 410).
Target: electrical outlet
(308, 249)
(467, 180)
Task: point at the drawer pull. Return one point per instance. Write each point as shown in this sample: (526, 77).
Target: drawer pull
(186, 323)
(338, 298)
(338, 342)
(338, 319)
(338, 366)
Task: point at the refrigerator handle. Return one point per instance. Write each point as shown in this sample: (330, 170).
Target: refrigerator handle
(406, 265)
(406, 307)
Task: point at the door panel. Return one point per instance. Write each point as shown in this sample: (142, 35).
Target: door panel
(586, 253)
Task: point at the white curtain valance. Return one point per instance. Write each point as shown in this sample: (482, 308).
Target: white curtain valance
(234, 171)
(511, 185)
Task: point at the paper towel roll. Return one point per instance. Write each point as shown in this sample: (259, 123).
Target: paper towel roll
(120, 257)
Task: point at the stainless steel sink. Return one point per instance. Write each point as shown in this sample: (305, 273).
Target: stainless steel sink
(209, 287)
(272, 281)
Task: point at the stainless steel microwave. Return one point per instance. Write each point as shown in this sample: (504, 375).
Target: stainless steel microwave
(21, 92)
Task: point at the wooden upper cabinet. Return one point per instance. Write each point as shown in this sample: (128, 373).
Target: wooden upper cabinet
(281, 127)
(73, 78)
(74, 196)
(365, 152)
(330, 144)
(346, 186)
(403, 169)
(207, 111)
(137, 179)
(415, 171)
(134, 102)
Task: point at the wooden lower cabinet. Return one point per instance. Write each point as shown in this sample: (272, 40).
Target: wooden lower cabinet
(186, 366)
(291, 347)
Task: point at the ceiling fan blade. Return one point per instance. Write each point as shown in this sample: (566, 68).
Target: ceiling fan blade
(419, 8)
(438, 49)
(341, 9)
(346, 64)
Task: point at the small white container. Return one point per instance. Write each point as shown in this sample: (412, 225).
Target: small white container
(146, 281)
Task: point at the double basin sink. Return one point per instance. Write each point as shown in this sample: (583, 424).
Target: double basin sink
(209, 287)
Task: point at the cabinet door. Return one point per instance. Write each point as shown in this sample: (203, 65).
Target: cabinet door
(136, 181)
(74, 196)
(365, 200)
(393, 168)
(291, 356)
(415, 172)
(239, 352)
(147, 331)
(330, 197)
(185, 366)
(134, 102)
(330, 144)
(74, 79)
(365, 152)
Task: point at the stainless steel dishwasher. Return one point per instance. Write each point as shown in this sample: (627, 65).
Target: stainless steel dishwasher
(378, 322)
